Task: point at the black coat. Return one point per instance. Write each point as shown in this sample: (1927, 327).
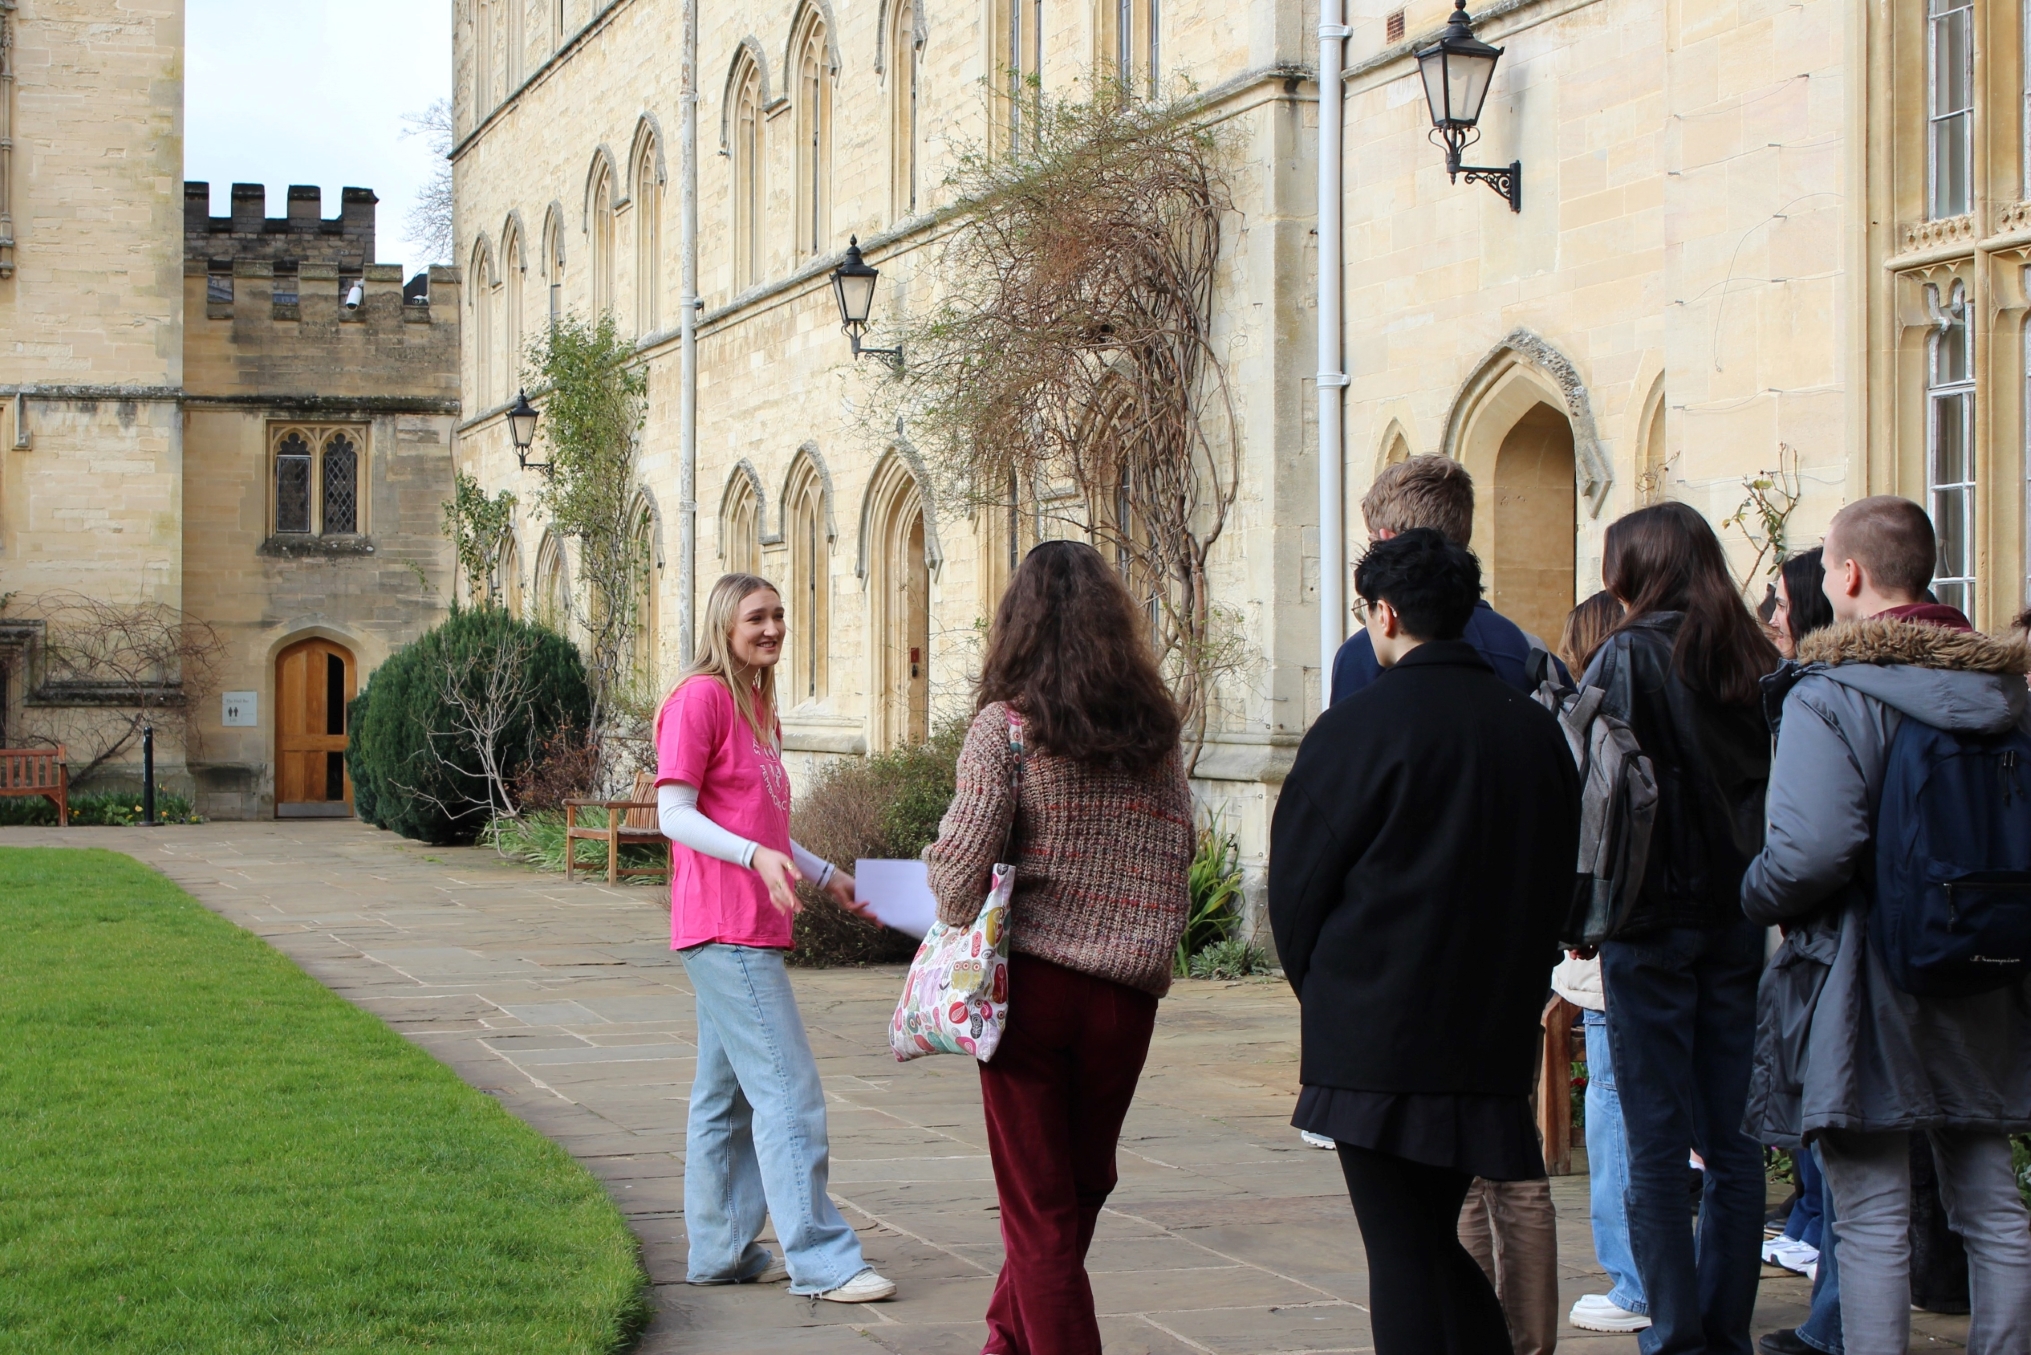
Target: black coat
(1713, 764)
(1421, 861)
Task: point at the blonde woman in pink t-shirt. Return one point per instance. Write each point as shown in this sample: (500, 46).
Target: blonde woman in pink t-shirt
(755, 1143)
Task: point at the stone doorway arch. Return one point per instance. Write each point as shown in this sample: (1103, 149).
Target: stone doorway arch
(1524, 428)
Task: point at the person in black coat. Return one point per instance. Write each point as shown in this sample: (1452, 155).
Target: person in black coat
(1421, 862)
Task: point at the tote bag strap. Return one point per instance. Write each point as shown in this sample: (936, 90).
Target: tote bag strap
(1015, 783)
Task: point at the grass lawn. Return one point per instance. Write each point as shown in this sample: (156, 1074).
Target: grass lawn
(204, 1150)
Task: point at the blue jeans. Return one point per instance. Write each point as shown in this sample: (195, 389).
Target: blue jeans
(1682, 1023)
(1822, 1329)
(1807, 1221)
(755, 1143)
(1608, 1170)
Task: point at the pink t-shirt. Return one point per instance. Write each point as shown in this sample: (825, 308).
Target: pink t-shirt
(702, 741)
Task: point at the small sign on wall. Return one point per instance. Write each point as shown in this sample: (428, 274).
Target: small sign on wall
(238, 709)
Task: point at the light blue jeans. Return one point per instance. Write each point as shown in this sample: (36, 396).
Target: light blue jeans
(755, 1143)
(1608, 1169)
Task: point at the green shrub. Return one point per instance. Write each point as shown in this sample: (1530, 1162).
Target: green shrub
(414, 755)
(1229, 958)
(1214, 881)
(97, 809)
(884, 807)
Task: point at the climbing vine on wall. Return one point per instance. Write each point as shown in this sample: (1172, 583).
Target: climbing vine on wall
(478, 527)
(1764, 516)
(594, 403)
(1068, 368)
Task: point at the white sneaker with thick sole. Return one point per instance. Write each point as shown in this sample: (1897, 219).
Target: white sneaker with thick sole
(866, 1287)
(1593, 1312)
(1791, 1254)
(774, 1273)
(1312, 1140)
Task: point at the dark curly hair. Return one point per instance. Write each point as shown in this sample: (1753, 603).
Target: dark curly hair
(1067, 650)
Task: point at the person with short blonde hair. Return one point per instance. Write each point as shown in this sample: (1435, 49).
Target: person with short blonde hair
(1435, 492)
(1425, 491)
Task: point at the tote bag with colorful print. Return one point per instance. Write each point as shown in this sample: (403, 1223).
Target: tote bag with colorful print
(956, 995)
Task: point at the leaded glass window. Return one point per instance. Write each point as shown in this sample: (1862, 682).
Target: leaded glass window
(317, 479)
(341, 485)
(292, 484)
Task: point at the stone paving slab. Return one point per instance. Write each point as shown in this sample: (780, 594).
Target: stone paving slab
(564, 1002)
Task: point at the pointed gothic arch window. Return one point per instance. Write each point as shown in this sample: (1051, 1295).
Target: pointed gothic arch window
(811, 70)
(317, 479)
(906, 68)
(648, 237)
(553, 262)
(512, 271)
(506, 582)
(553, 586)
(807, 529)
(747, 175)
(602, 241)
(642, 591)
(900, 591)
(483, 302)
(740, 526)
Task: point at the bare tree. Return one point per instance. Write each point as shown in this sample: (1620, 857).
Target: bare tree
(100, 671)
(429, 220)
(1069, 374)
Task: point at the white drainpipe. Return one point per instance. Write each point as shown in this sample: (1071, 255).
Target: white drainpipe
(1332, 376)
(688, 306)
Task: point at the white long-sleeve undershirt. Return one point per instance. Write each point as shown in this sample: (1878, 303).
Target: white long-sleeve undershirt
(681, 820)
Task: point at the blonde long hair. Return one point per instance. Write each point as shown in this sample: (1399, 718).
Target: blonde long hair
(754, 698)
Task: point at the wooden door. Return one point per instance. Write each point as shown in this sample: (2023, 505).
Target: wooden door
(314, 681)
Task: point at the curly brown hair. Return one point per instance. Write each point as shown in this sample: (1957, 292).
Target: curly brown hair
(1067, 651)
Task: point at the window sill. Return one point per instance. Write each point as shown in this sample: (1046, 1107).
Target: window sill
(294, 546)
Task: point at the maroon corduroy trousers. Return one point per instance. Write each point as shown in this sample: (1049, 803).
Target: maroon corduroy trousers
(1055, 1096)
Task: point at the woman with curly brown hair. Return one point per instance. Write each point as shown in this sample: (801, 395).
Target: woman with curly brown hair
(1098, 822)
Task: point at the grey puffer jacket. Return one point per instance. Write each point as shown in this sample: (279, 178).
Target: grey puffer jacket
(1838, 1045)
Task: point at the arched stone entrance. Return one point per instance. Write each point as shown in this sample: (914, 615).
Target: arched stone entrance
(314, 681)
(896, 538)
(1535, 523)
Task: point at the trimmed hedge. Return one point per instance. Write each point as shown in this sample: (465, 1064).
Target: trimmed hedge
(412, 772)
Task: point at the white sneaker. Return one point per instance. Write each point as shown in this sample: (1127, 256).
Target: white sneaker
(775, 1272)
(1791, 1254)
(1312, 1140)
(866, 1287)
(1593, 1312)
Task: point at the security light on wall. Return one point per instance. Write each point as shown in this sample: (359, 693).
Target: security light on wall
(853, 287)
(1458, 70)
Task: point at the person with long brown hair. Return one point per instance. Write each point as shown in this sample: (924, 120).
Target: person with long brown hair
(1073, 762)
(755, 1141)
(1684, 668)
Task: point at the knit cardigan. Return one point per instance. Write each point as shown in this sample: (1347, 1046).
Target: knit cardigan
(1101, 856)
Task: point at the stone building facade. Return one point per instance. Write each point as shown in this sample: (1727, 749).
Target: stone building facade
(1783, 243)
(198, 423)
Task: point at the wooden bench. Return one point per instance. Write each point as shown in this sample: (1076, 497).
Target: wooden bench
(38, 771)
(628, 822)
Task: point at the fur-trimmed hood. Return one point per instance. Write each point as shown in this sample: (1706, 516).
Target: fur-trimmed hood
(1878, 640)
(1950, 679)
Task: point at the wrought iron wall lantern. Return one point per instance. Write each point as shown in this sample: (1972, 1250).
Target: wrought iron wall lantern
(853, 286)
(1457, 71)
(522, 428)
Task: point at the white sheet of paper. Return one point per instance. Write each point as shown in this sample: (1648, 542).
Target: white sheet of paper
(897, 892)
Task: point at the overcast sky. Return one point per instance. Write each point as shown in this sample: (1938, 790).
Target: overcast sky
(313, 91)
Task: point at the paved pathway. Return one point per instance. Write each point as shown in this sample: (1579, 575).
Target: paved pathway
(565, 1003)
